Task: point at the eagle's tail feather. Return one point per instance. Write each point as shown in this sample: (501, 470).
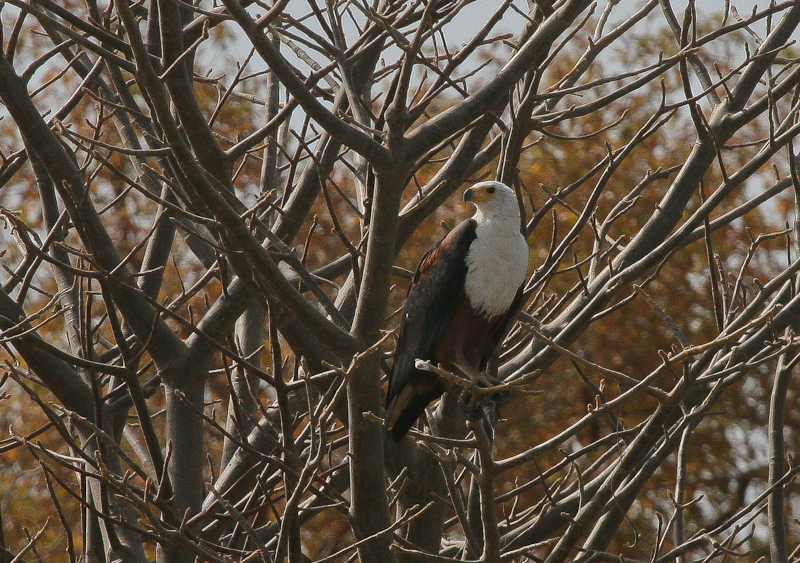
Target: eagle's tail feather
(404, 410)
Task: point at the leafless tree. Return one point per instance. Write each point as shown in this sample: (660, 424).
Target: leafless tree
(187, 243)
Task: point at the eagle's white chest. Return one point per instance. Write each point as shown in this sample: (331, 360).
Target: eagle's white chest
(497, 263)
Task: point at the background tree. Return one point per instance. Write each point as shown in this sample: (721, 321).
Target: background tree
(203, 266)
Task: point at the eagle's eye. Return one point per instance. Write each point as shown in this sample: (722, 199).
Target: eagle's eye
(491, 190)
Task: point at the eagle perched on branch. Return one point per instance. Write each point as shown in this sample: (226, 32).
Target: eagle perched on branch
(465, 291)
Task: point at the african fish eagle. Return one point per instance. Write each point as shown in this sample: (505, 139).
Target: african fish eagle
(466, 289)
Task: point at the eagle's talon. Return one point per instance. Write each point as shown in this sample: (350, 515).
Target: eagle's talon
(469, 406)
(486, 380)
(484, 404)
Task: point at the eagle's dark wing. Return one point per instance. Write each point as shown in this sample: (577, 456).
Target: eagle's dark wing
(437, 287)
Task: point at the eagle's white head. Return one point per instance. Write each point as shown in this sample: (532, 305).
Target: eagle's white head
(493, 199)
